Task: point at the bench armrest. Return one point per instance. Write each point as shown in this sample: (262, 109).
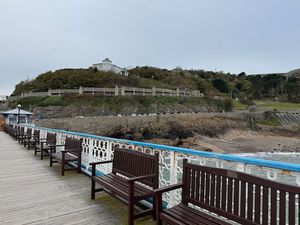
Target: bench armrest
(58, 145)
(49, 143)
(134, 179)
(93, 164)
(167, 188)
(70, 150)
(44, 141)
(101, 162)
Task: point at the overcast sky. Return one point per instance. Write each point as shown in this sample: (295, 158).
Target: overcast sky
(255, 36)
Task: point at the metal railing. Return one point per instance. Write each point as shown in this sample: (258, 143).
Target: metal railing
(98, 148)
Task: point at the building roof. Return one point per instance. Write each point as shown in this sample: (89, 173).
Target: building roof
(16, 111)
(107, 60)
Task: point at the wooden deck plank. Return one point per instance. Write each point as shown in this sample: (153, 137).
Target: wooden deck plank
(33, 193)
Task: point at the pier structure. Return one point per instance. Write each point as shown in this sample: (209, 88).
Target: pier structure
(33, 192)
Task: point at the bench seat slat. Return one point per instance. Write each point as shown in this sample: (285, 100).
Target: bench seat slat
(119, 182)
(120, 186)
(45, 146)
(186, 215)
(68, 157)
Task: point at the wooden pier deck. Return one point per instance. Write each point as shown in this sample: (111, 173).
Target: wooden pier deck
(33, 193)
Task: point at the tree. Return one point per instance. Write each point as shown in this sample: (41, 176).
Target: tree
(221, 85)
(293, 89)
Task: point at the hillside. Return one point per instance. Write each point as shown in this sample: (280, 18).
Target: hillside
(279, 86)
(71, 106)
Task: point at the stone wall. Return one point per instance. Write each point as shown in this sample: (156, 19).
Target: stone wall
(110, 125)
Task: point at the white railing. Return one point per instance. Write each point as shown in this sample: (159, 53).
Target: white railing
(99, 148)
(117, 91)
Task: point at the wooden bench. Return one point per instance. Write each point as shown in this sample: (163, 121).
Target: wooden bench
(32, 141)
(134, 175)
(7, 128)
(26, 135)
(236, 196)
(14, 130)
(10, 130)
(44, 146)
(20, 132)
(71, 153)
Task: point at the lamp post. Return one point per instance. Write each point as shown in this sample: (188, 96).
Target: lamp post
(19, 107)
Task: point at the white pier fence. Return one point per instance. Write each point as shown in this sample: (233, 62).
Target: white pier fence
(99, 148)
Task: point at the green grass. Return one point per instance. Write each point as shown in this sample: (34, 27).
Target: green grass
(39, 101)
(269, 122)
(115, 104)
(237, 105)
(277, 105)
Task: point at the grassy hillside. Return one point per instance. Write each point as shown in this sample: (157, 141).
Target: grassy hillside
(277, 105)
(285, 87)
(125, 105)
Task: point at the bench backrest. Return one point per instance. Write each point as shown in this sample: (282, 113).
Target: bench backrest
(29, 132)
(131, 163)
(240, 197)
(76, 144)
(36, 134)
(51, 137)
(21, 130)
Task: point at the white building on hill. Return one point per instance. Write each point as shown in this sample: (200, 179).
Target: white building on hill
(107, 66)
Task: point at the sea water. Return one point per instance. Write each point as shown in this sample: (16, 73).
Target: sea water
(288, 157)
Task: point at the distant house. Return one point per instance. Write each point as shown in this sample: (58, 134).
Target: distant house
(177, 68)
(107, 66)
(14, 115)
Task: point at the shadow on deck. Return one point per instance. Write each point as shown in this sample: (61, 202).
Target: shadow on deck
(33, 193)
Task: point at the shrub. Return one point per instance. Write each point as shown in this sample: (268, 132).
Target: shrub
(228, 104)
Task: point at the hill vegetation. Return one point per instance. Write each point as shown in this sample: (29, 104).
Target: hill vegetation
(285, 87)
(71, 105)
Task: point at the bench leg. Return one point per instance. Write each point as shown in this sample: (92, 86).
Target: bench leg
(158, 208)
(131, 204)
(79, 166)
(154, 207)
(42, 154)
(130, 213)
(34, 150)
(63, 168)
(51, 161)
(93, 185)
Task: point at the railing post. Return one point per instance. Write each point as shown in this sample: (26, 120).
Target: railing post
(123, 91)
(173, 176)
(90, 153)
(80, 90)
(109, 155)
(116, 91)
(177, 92)
(49, 92)
(153, 91)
